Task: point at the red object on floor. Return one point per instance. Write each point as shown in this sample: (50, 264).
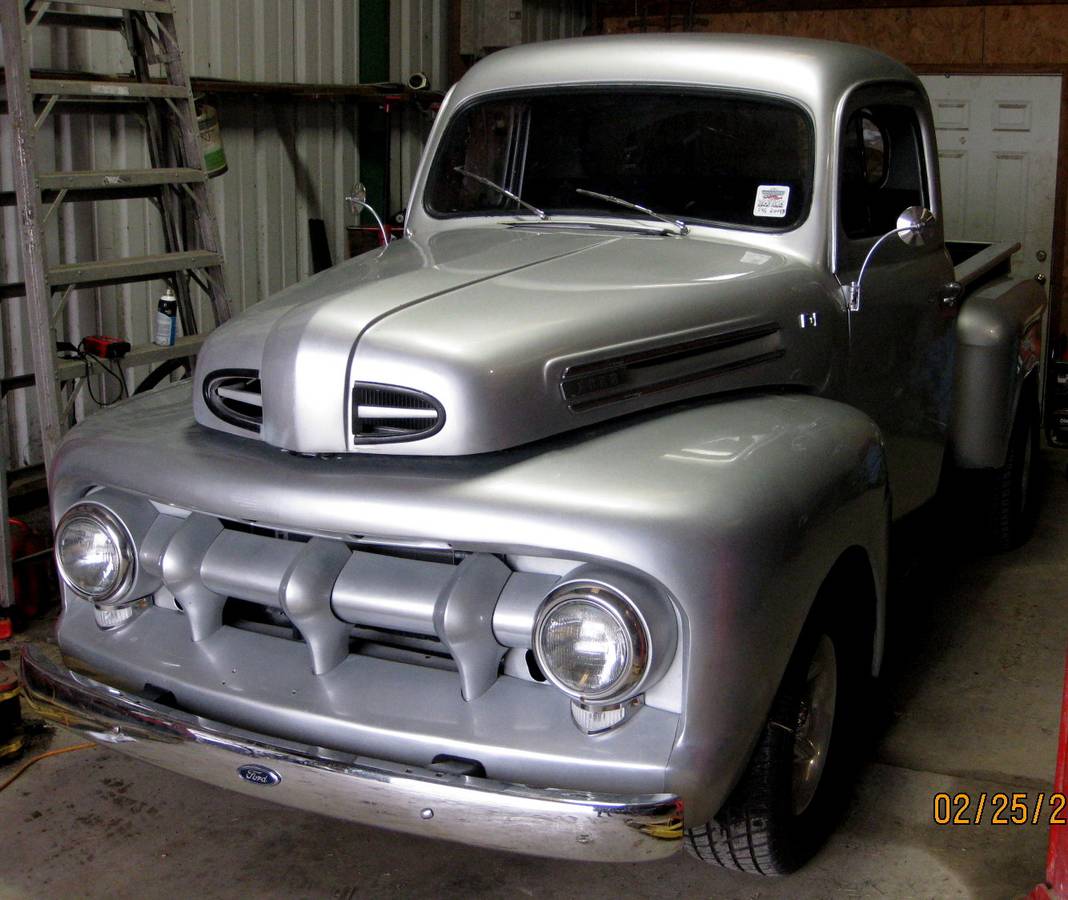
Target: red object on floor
(5, 628)
(32, 578)
(1056, 886)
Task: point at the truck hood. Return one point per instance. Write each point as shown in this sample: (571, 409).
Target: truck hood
(480, 339)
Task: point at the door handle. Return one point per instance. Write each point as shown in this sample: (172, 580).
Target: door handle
(950, 293)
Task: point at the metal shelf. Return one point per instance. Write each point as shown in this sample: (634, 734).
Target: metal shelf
(147, 354)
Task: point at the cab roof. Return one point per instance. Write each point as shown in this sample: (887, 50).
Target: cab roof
(815, 73)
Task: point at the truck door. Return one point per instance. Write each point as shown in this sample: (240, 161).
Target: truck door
(901, 339)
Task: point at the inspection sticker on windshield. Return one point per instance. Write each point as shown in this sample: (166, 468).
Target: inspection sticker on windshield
(771, 200)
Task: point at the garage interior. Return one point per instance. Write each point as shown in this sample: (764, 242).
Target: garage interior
(313, 97)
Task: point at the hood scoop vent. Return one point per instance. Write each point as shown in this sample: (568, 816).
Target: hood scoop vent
(234, 396)
(383, 413)
(590, 385)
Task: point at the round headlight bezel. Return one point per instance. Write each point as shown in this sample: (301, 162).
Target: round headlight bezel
(117, 533)
(620, 607)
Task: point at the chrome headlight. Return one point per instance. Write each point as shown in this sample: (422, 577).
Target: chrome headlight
(591, 642)
(94, 552)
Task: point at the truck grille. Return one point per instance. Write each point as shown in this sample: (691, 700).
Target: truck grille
(234, 396)
(383, 413)
(433, 606)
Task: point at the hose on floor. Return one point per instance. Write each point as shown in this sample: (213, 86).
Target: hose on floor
(41, 756)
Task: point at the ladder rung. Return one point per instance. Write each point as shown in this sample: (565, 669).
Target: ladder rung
(80, 20)
(78, 87)
(134, 268)
(117, 179)
(118, 271)
(118, 184)
(152, 6)
(84, 106)
(144, 355)
(16, 382)
(68, 369)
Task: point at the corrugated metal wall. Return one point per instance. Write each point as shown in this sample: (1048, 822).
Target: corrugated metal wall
(547, 20)
(289, 160)
(417, 44)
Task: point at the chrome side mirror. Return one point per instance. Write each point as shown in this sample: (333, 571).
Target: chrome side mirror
(915, 226)
(357, 200)
(357, 197)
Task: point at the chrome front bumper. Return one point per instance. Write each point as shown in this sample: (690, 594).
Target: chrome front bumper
(541, 821)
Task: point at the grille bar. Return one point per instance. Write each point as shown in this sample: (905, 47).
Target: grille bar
(328, 591)
(393, 412)
(252, 398)
(383, 413)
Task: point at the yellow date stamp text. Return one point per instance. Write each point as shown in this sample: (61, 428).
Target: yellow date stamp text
(1018, 808)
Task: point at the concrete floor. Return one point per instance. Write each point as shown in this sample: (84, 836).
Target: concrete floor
(971, 698)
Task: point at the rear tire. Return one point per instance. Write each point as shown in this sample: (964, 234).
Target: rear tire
(775, 819)
(1010, 494)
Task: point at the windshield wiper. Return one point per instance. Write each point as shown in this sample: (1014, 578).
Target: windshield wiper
(631, 227)
(608, 198)
(507, 193)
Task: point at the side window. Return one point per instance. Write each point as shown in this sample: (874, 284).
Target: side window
(882, 169)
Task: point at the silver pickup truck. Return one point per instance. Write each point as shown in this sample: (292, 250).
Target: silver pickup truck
(561, 525)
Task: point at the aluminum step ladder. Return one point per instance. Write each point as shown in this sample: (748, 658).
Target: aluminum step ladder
(176, 183)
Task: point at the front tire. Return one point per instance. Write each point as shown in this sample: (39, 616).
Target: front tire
(795, 784)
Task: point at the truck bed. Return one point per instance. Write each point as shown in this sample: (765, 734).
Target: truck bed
(975, 261)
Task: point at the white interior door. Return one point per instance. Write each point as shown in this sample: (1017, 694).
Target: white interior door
(997, 150)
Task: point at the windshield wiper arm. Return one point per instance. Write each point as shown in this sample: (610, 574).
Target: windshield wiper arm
(507, 193)
(608, 198)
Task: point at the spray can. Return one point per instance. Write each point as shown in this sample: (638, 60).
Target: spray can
(211, 142)
(166, 320)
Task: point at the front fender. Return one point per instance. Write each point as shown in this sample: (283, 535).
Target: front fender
(780, 515)
(999, 343)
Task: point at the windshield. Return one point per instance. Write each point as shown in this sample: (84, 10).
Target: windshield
(722, 159)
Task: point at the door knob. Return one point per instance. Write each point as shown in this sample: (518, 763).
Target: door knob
(950, 294)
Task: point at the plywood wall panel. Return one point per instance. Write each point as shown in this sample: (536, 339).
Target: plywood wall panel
(1028, 34)
(722, 23)
(745, 23)
(1031, 34)
(948, 35)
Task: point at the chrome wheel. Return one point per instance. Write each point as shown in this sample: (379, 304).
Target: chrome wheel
(815, 721)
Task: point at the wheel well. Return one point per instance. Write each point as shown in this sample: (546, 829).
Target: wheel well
(1026, 393)
(1029, 389)
(849, 591)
